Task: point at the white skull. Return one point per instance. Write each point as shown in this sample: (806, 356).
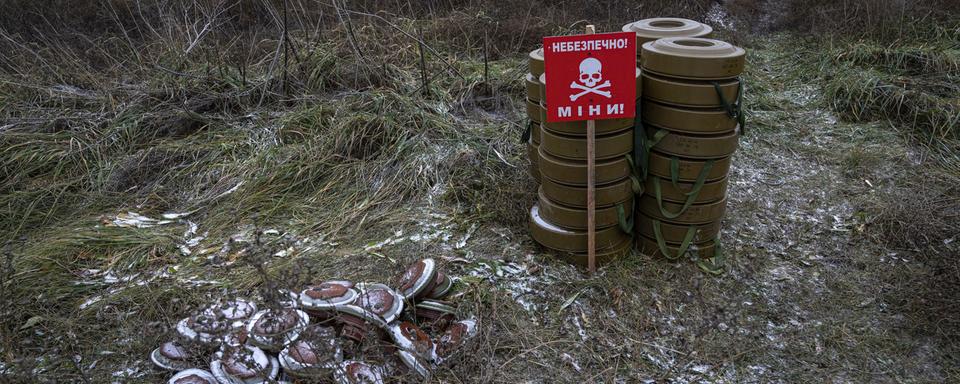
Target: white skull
(590, 72)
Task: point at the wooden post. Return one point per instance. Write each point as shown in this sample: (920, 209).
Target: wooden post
(591, 186)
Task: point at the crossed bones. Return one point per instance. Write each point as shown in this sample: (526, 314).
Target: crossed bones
(586, 90)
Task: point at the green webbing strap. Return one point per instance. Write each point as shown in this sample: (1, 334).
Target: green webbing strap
(625, 225)
(716, 264)
(647, 144)
(691, 231)
(675, 171)
(691, 195)
(638, 135)
(634, 182)
(525, 136)
(734, 110)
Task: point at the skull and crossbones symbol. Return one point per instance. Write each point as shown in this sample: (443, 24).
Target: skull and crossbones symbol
(590, 76)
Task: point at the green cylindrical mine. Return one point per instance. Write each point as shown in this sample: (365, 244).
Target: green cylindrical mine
(649, 247)
(697, 121)
(688, 170)
(533, 110)
(607, 146)
(681, 191)
(532, 85)
(555, 237)
(661, 27)
(603, 256)
(690, 93)
(534, 155)
(693, 214)
(576, 218)
(571, 172)
(693, 58)
(607, 195)
(677, 233)
(695, 147)
(535, 62)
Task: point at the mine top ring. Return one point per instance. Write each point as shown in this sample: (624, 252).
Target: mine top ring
(694, 47)
(667, 26)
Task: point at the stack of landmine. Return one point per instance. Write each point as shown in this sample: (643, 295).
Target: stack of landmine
(559, 219)
(532, 133)
(690, 110)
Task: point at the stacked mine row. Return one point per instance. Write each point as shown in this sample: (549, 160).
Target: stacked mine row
(559, 218)
(691, 117)
(534, 111)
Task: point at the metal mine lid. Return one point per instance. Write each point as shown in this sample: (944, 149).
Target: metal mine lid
(575, 172)
(442, 287)
(171, 356)
(358, 372)
(312, 356)
(411, 338)
(202, 328)
(703, 121)
(551, 236)
(456, 335)
(688, 93)
(535, 62)
(365, 315)
(576, 218)
(437, 305)
(237, 309)
(327, 295)
(696, 147)
(693, 58)
(414, 363)
(244, 365)
(272, 330)
(381, 300)
(608, 146)
(660, 27)
(193, 376)
(416, 278)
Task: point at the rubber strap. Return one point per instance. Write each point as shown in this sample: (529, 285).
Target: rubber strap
(715, 265)
(626, 225)
(734, 109)
(691, 196)
(525, 136)
(687, 239)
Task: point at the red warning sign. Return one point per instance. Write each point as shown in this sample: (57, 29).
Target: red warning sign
(590, 77)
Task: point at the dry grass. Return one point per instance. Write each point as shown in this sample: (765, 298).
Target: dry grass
(329, 136)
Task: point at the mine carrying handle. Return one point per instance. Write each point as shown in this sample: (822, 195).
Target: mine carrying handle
(674, 176)
(715, 265)
(734, 110)
(525, 136)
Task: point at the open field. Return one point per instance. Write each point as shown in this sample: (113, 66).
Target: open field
(294, 155)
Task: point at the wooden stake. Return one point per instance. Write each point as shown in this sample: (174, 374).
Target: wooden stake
(591, 186)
